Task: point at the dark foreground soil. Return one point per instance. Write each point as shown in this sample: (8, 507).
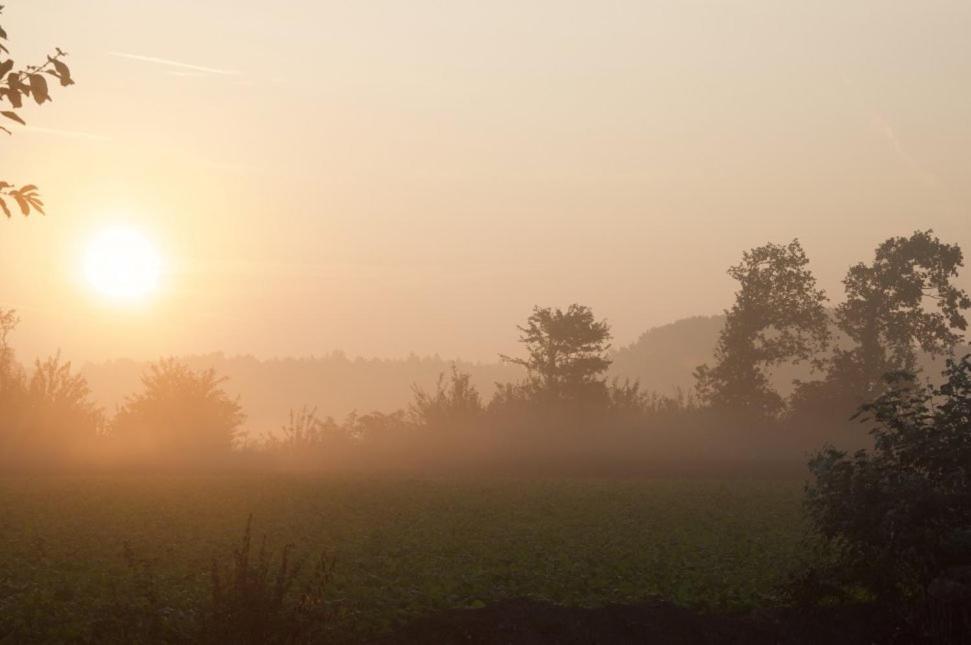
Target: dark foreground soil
(524, 621)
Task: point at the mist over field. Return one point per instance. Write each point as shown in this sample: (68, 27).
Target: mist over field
(498, 322)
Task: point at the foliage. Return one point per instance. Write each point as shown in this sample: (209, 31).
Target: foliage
(899, 515)
(16, 87)
(180, 413)
(778, 316)
(453, 405)
(62, 415)
(46, 418)
(901, 305)
(885, 313)
(567, 353)
(9, 369)
(304, 433)
(375, 426)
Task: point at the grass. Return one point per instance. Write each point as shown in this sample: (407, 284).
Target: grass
(78, 551)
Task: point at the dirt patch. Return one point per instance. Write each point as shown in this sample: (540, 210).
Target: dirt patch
(528, 622)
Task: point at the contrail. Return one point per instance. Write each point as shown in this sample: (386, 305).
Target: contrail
(172, 63)
(73, 134)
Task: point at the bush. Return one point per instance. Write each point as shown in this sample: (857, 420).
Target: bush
(181, 414)
(48, 419)
(897, 519)
(257, 600)
(455, 405)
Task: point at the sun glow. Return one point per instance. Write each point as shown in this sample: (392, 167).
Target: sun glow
(122, 265)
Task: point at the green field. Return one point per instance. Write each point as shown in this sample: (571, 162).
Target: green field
(403, 547)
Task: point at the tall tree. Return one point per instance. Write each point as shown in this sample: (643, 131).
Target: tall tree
(903, 302)
(779, 316)
(567, 352)
(18, 85)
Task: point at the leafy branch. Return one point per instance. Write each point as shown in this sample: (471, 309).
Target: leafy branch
(27, 198)
(16, 87)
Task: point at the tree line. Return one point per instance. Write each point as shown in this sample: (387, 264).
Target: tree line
(904, 302)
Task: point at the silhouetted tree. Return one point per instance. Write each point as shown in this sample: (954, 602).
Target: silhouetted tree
(903, 303)
(567, 353)
(779, 316)
(180, 414)
(453, 405)
(16, 86)
(886, 315)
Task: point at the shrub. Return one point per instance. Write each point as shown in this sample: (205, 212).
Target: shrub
(261, 600)
(454, 404)
(897, 519)
(181, 414)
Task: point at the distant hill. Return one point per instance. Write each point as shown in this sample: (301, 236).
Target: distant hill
(664, 358)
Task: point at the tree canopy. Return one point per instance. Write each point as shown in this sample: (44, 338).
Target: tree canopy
(567, 351)
(779, 316)
(886, 312)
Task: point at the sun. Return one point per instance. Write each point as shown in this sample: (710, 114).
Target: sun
(122, 265)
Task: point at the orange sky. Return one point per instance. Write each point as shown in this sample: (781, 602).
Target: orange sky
(387, 177)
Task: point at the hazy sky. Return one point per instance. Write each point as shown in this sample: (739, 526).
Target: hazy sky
(387, 177)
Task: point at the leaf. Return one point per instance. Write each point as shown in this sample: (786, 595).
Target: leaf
(22, 202)
(63, 72)
(38, 87)
(29, 188)
(6, 66)
(13, 116)
(3, 207)
(13, 96)
(36, 203)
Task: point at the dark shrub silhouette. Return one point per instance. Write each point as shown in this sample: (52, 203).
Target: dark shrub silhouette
(897, 518)
(259, 598)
